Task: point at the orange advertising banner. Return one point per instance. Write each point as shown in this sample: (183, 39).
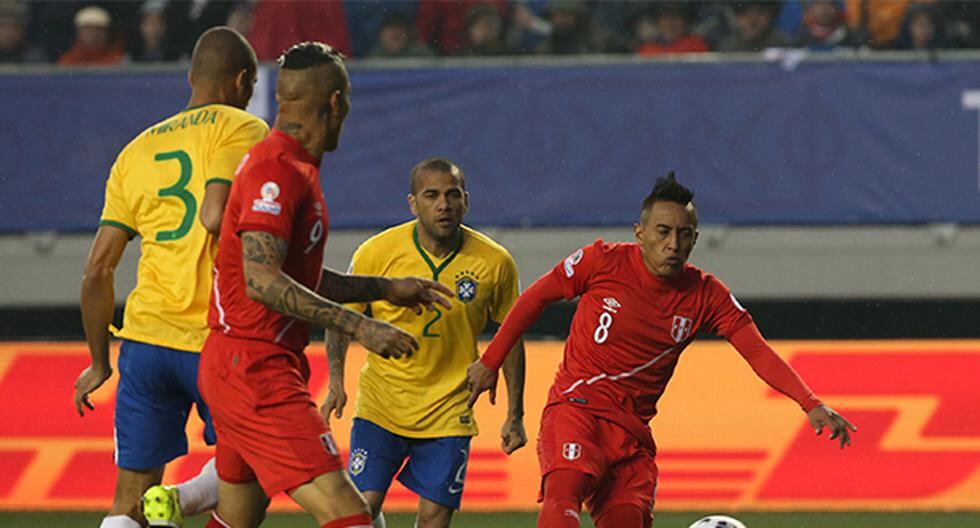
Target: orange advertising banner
(726, 440)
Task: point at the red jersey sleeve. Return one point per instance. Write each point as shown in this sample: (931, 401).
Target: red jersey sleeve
(573, 273)
(270, 193)
(726, 315)
(772, 368)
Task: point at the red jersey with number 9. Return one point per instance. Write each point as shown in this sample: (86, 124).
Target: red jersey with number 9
(630, 328)
(276, 191)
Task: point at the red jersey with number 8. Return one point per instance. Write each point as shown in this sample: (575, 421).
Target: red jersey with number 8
(276, 191)
(630, 328)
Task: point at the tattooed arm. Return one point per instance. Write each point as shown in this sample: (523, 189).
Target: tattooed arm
(344, 288)
(407, 291)
(265, 282)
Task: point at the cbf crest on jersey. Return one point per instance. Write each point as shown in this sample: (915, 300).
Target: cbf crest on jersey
(681, 328)
(466, 286)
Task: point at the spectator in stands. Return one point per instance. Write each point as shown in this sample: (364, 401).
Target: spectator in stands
(823, 26)
(365, 18)
(528, 26)
(396, 39)
(875, 22)
(442, 23)
(240, 19)
(152, 44)
(755, 28)
(14, 47)
(483, 32)
(571, 29)
(923, 29)
(672, 22)
(281, 23)
(94, 44)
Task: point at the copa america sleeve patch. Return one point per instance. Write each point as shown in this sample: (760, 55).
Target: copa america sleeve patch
(268, 204)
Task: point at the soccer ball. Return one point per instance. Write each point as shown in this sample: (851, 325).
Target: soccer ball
(717, 521)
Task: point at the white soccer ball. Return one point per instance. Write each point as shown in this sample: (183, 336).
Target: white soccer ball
(717, 521)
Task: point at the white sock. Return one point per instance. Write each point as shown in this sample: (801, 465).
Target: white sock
(200, 493)
(119, 521)
(379, 521)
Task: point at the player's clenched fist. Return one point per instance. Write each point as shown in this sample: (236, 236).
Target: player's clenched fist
(384, 339)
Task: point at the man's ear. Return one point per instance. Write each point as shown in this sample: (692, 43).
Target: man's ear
(411, 205)
(638, 232)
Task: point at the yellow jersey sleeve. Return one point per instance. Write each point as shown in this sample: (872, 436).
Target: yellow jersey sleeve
(229, 152)
(116, 211)
(506, 290)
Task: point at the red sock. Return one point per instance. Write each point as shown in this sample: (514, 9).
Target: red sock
(564, 491)
(216, 522)
(624, 515)
(361, 520)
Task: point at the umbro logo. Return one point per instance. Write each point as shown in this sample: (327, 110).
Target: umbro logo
(611, 304)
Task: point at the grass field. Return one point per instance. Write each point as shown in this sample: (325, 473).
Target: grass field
(480, 520)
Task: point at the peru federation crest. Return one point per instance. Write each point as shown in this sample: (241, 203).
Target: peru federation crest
(466, 288)
(681, 328)
(571, 450)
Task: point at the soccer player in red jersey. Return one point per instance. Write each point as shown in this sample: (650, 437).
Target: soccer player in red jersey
(640, 305)
(269, 285)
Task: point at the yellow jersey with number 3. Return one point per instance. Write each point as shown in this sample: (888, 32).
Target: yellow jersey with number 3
(155, 190)
(425, 396)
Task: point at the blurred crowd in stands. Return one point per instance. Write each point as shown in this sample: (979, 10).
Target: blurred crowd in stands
(104, 33)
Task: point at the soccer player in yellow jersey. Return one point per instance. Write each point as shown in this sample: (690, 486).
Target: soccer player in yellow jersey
(171, 174)
(416, 408)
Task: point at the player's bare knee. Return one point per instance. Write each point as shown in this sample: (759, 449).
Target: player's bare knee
(434, 517)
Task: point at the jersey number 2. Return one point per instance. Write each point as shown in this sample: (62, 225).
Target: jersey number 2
(179, 190)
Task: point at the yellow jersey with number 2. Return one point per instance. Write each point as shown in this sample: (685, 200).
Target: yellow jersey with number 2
(425, 396)
(155, 190)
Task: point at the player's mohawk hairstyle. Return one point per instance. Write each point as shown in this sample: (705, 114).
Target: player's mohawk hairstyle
(308, 54)
(667, 189)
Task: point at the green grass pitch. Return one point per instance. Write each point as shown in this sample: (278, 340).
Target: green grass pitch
(497, 520)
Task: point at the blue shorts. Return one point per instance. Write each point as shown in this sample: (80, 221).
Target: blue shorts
(157, 386)
(436, 467)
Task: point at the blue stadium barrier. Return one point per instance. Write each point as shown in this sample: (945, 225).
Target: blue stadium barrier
(832, 143)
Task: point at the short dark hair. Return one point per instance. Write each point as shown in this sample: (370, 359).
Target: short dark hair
(436, 165)
(308, 54)
(667, 189)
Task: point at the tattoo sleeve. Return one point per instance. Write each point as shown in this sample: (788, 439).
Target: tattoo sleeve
(344, 288)
(337, 343)
(263, 255)
(514, 377)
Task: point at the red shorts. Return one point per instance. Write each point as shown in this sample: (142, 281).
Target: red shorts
(268, 426)
(625, 470)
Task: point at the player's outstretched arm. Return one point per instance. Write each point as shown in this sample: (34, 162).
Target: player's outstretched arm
(408, 291)
(265, 282)
(482, 374)
(98, 303)
(337, 344)
(781, 376)
(512, 433)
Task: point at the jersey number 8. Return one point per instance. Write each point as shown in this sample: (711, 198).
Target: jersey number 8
(602, 331)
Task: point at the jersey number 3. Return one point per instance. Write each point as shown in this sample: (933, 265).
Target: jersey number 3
(179, 190)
